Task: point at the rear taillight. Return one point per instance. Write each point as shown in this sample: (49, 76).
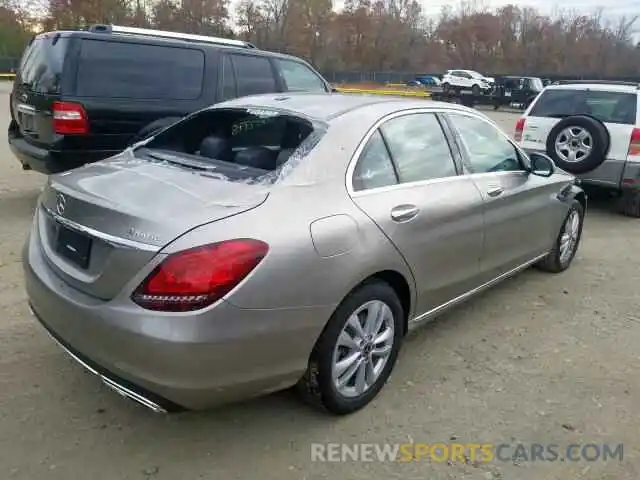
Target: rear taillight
(634, 143)
(69, 119)
(519, 130)
(195, 278)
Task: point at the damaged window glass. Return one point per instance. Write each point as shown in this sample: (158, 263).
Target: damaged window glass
(236, 144)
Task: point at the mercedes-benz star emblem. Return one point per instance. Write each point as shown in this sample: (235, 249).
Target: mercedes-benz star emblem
(23, 97)
(61, 203)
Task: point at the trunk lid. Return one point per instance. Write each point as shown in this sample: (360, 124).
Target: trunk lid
(99, 225)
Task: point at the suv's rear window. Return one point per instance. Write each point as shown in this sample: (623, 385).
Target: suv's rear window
(128, 70)
(41, 66)
(610, 107)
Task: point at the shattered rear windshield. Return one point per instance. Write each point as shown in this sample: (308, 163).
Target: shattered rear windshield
(249, 145)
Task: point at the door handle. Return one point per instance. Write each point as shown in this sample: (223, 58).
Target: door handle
(495, 190)
(404, 213)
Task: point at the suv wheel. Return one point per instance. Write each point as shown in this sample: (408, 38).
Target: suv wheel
(578, 144)
(475, 90)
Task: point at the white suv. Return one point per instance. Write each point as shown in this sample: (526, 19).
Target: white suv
(592, 130)
(465, 80)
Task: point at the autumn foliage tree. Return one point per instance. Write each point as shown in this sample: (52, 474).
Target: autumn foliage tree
(366, 35)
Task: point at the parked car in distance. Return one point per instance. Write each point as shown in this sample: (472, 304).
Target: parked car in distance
(591, 129)
(425, 80)
(467, 80)
(521, 91)
(288, 239)
(81, 96)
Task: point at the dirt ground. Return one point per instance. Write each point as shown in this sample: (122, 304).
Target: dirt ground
(549, 359)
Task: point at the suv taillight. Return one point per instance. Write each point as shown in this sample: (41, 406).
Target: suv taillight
(195, 278)
(519, 130)
(69, 118)
(634, 143)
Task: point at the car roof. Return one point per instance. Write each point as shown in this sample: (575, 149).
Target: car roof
(164, 40)
(601, 87)
(329, 106)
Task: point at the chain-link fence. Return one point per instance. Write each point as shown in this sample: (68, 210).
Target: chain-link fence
(9, 65)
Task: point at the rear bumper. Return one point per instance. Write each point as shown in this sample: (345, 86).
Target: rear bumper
(44, 161)
(615, 174)
(195, 360)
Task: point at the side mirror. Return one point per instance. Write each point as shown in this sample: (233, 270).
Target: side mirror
(541, 165)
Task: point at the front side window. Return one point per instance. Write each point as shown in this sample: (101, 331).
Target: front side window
(299, 77)
(488, 150)
(419, 147)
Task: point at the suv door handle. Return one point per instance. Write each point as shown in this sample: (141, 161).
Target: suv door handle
(495, 190)
(404, 213)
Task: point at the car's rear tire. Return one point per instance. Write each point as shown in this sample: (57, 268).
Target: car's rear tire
(630, 203)
(584, 136)
(152, 128)
(339, 385)
(566, 245)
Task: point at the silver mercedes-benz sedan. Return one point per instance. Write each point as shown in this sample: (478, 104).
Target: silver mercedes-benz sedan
(282, 240)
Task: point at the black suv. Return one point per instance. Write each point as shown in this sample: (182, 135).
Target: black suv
(516, 90)
(81, 96)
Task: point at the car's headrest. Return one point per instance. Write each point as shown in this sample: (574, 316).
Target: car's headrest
(214, 147)
(257, 157)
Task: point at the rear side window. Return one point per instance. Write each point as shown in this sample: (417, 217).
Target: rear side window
(150, 72)
(299, 77)
(610, 107)
(419, 147)
(374, 168)
(254, 75)
(41, 64)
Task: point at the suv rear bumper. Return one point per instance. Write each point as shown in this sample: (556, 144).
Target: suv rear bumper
(43, 161)
(616, 174)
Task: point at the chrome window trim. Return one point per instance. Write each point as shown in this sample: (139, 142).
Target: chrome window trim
(105, 237)
(412, 111)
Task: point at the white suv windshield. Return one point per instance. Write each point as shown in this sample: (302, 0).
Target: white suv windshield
(609, 107)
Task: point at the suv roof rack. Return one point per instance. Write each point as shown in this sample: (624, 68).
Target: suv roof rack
(147, 32)
(597, 82)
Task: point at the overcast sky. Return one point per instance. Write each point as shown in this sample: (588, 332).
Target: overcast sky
(613, 9)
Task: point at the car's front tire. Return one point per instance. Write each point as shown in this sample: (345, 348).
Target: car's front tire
(566, 245)
(357, 350)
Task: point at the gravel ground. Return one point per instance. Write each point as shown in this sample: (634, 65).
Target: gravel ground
(539, 359)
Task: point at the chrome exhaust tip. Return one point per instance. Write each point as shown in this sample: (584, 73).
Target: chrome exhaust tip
(116, 387)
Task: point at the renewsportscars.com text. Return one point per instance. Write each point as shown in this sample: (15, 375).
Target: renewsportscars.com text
(465, 452)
